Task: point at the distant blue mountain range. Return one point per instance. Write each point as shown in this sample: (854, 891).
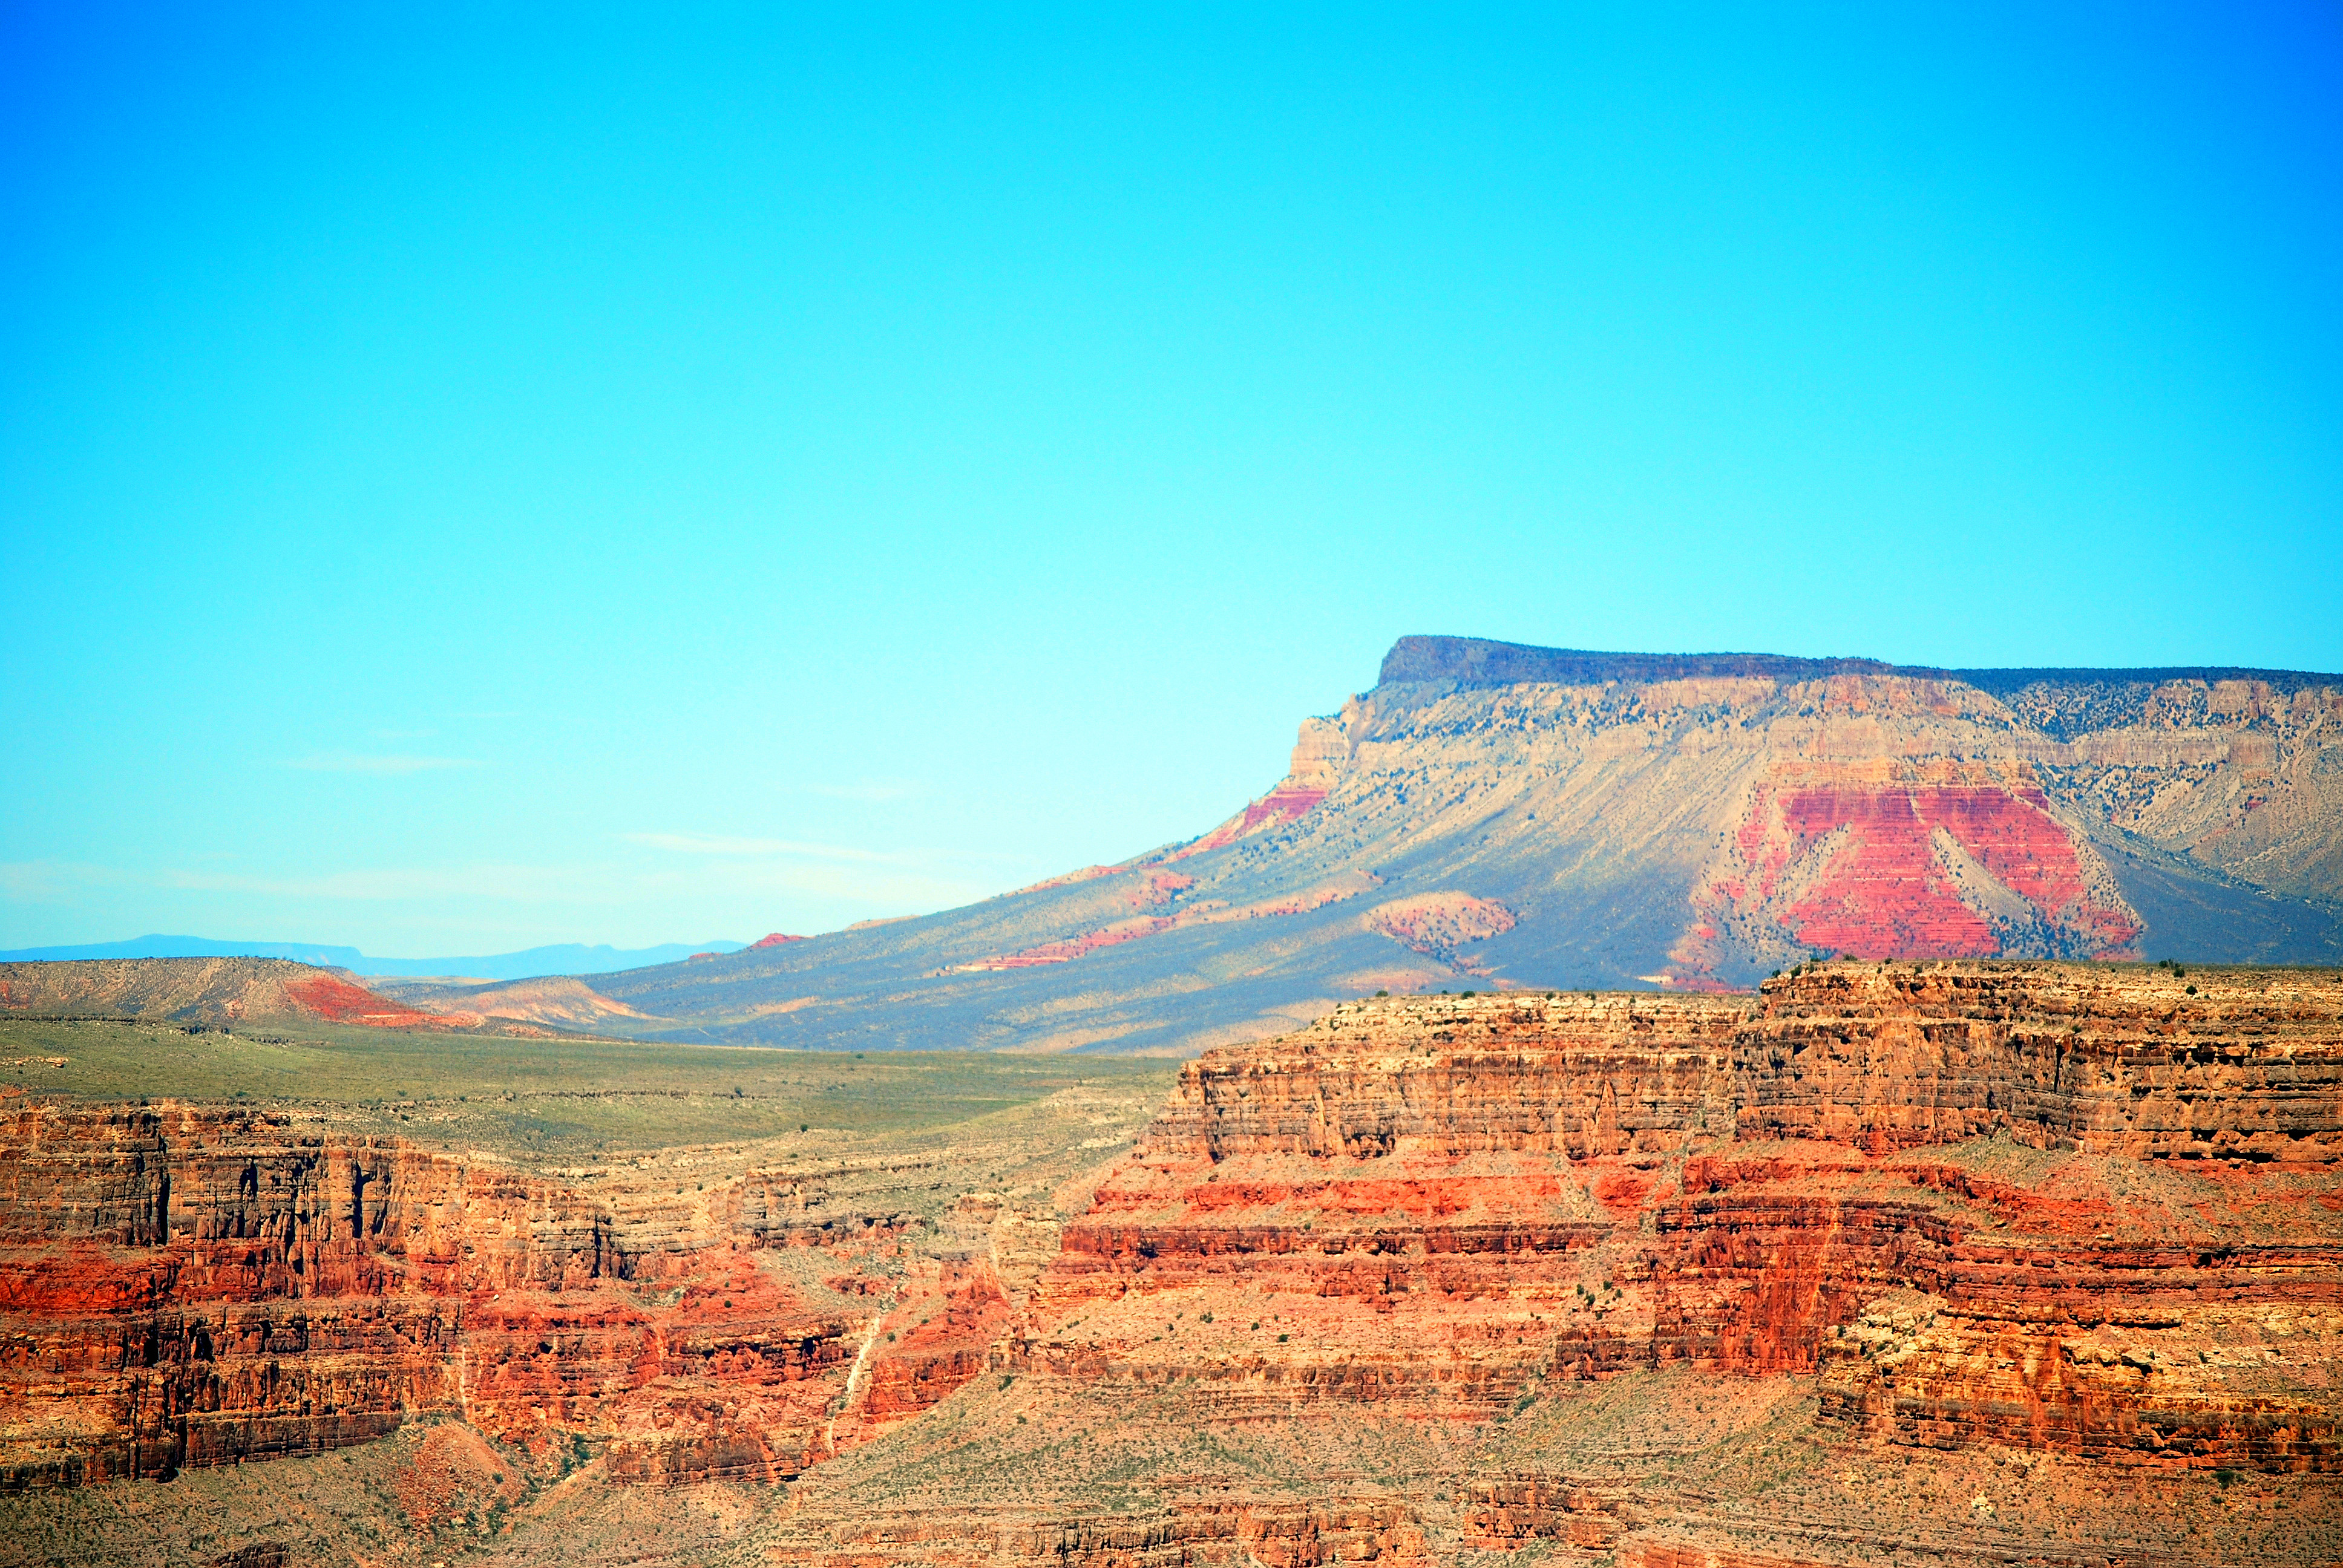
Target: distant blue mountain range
(564, 958)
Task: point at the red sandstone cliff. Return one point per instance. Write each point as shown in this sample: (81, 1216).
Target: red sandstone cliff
(2038, 1203)
(190, 1286)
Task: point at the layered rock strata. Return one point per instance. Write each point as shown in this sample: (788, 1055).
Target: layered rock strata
(185, 1286)
(2244, 1066)
(1981, 1216)
(1403, 1204)
(2042, 1205)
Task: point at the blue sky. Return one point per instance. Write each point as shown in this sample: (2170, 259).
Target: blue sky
(489, 477)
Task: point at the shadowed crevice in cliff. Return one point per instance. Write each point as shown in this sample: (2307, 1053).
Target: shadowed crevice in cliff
(2258, 927)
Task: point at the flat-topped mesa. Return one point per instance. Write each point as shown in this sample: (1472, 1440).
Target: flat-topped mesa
(1477, 661)
(2231, 1063)
(1570, 1074)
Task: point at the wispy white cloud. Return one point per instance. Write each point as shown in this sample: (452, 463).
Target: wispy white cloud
(35, 880)
(570, 888)
(717, 844)
(358, 762)
(490, 881)
(869, 790)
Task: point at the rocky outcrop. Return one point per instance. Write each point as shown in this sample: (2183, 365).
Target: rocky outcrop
(1431, 1190)
(1425, 1203)
(933, 1355)
(1316, 1532)
(2160, 1065)
(1567, 1074)
(208, 991)
(1439, 1203)
(184, 1286)
(1291, 1534)
(559, 1001)
(2176, 1362)
(1405, 1159)
(1507, 1513)
(1581, 1275)
(1889, 857)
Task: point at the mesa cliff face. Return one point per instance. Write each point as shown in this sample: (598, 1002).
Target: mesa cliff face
(185, 1286)
(2058, 1207)
(1535, 818)
(2239, 1067)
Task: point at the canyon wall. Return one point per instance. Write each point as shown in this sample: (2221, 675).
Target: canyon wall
(193, 1286)
(2072, 1057)
(2079, 1211)
(2065, 1207)
(1569, 1075)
